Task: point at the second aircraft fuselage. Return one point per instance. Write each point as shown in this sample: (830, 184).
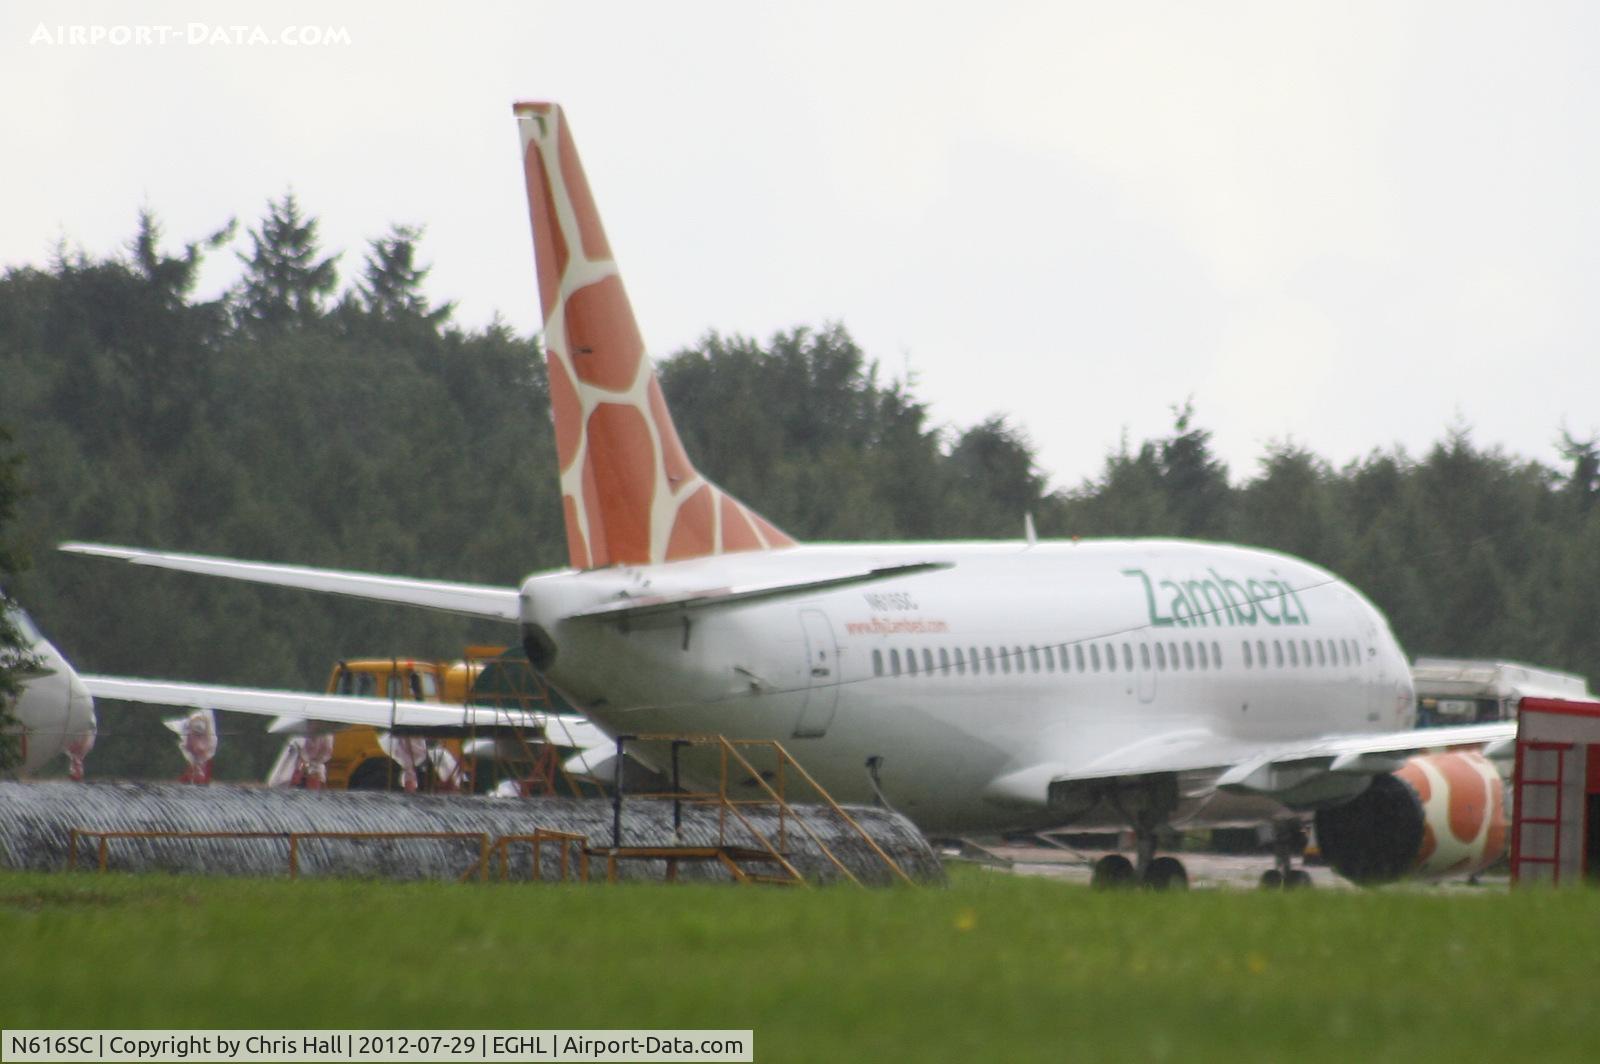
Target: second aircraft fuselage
(1056, 655)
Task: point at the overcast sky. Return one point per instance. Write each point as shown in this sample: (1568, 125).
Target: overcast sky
(1347, 225)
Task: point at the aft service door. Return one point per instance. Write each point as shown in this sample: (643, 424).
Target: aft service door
(822, 676)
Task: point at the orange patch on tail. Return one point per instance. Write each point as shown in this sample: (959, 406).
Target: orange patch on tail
(622, 456)
(603, 341)
(692, 532)
(737, 531)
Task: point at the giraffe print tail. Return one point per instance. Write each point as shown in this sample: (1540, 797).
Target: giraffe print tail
(628, 490)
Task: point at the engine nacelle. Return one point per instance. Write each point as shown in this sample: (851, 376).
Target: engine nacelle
(1439, 815)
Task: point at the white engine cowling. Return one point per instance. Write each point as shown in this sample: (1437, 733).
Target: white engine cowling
(1439, 815)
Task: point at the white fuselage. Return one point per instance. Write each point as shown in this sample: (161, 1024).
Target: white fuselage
(1058, 655)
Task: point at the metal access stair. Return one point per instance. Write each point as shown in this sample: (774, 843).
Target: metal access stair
(742, 860)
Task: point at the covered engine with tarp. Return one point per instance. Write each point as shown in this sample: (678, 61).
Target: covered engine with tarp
(37, 821)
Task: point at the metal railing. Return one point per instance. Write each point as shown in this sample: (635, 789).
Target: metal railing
(567, 842)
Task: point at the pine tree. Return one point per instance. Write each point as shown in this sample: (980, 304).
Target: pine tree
(391, 285)
(285, 283)
(1583, 483)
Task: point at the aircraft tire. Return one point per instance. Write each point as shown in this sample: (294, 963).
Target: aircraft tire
(1166, 873)
(1112, 872)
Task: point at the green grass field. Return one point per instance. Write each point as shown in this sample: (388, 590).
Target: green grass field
(993, 967)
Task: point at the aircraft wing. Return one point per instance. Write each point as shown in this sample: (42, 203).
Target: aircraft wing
(565, 730)
(473, 600)
(1252, 767)
(1288, 766)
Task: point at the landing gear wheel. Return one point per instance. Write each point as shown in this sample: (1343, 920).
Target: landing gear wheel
(1272, 879)
(1298, 879)
(1166, 873)
(1112, 872)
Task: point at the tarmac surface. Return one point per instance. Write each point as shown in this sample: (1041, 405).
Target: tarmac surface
(1207, 871)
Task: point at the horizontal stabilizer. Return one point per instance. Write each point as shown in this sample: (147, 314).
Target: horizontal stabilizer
(560, 729)
(473, 600)
(643, 606)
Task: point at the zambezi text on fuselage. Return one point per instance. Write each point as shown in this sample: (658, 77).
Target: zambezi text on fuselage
(1217, 601)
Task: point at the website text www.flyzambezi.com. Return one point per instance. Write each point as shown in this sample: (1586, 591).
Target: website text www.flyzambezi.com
(896, 626)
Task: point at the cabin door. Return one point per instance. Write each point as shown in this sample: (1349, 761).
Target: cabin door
(822, 676)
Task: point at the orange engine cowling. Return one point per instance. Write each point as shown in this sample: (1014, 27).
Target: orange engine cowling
(1439, 815)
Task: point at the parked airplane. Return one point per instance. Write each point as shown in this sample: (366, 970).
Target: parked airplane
(54, 707)
(974, 686)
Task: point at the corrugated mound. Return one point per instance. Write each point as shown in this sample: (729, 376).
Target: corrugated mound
(36, 820)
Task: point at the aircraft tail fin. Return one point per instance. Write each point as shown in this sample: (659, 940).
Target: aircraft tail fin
(628, 490)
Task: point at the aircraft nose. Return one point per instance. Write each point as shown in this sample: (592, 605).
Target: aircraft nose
(80, 709)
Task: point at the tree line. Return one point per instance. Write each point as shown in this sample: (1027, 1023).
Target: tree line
(292, 419)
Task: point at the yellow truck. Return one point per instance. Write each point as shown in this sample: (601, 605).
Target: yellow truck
(367, 758)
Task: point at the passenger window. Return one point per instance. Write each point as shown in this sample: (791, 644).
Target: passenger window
(1077, 652)
(1017, 659)
(894, 662)
(1261, 652)
(1245, 646)
(1144, 656)
(1172, 653)
(1111, 658)
(877, 663)
(1049, 658)
(1216, 655)
(1200, 655)
(1277, 653)
(911, 662)
(1188, 655)
(988, 657)
(1161, 657)
(1033, 658)
(961, 663)
(1294, 657)
(1127, 657)
(944, 661)
(1322, 658)
(1094, 656)
(927, 661)
(1305, 646)
(1005, 661)
(430, 686)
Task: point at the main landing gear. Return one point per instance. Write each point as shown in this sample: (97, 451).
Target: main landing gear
(1288, 842)
(1157, 873)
